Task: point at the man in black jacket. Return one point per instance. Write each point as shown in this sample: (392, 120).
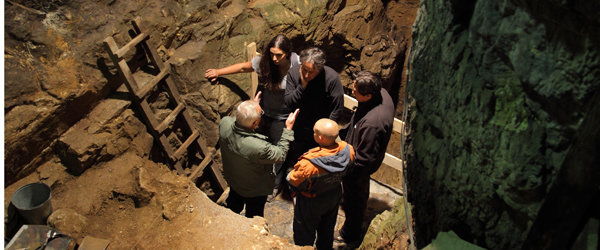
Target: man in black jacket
(368, 132)
(317, 91)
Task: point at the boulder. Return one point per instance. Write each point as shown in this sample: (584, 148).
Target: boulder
(109, 130)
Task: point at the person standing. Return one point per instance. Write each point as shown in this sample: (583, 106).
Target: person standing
(248, 157)
(369, 132)
(272, 68)
(316, 179)
(317, 91)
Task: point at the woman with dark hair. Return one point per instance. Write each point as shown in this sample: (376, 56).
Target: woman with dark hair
(272, 67)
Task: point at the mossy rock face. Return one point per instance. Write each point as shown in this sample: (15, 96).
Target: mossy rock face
(388, 230)
(499, 90)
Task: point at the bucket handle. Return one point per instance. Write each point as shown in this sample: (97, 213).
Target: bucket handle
(51, 235)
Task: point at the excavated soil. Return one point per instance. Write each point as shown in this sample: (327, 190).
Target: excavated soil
(139, 204)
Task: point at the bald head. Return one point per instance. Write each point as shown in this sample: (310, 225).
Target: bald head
(326, 131)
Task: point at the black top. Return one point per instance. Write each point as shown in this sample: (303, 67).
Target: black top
(369, 131)
(322, 98)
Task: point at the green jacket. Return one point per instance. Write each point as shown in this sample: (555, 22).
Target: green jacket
(248, 158)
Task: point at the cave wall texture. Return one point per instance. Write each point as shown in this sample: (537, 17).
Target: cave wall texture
(57, 69)
(499, 90)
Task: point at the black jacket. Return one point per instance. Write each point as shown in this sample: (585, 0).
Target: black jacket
(322, 98)
(369, 131)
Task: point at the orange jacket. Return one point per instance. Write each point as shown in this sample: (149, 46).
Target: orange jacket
(321, 169)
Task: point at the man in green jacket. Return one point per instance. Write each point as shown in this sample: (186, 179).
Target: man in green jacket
(248, 157)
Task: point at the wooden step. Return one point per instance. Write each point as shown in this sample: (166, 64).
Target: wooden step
(135, 41)
(179, 152)
(152, 83)
(197, 170)
(167, 121)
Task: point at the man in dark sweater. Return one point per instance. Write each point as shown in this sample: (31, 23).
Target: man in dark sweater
(369, 132)
(317, 91)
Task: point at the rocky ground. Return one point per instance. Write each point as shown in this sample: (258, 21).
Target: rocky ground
(137, 203)
(122, 201)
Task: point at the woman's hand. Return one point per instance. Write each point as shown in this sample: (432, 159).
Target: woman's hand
(211, 74)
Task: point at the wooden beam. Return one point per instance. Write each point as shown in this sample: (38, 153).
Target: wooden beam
(185, 145)
(251, 53)
(131, 44)
(165, 123)
(392, 161)
(197, 171)
(152, 83)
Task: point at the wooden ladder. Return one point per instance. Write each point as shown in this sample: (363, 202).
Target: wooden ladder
(149, 79)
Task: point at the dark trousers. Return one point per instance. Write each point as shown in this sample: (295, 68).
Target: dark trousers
(273, 128)
(255, 206)
(354, 204)
(316, 215)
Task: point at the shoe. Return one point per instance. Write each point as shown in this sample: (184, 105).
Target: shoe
(337, 236)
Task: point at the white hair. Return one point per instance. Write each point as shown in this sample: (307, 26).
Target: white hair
(247, 113)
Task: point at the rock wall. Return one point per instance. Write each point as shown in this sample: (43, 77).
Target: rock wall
(56, 68)
(499, 88)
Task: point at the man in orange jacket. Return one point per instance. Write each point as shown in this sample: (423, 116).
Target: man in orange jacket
(316, 179)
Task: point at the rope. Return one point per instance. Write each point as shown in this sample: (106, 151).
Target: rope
(403, 153)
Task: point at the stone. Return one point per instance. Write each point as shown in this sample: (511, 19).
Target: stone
(107, 110)
(69, 222)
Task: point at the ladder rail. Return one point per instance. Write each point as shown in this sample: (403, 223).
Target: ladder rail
(140, 93)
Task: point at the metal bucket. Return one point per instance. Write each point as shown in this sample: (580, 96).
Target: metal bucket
(33, 202)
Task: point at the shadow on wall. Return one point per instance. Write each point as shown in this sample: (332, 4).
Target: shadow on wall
(333, 49)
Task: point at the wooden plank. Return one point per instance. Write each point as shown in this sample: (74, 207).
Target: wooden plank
(148, 113)
(164, 142)
(349, 102)
(218, 176)
(167, 121)
(126, 74)
(124, 71)
(178, 167)
(131, 44)
(398, 126)
(150, 85)
(186, 144)
(197, 171)
(251, 53)
(223, 197)
(393, 161)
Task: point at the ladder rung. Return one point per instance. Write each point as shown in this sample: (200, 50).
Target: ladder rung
(186, 144)
(165, 123)
(139, 38)
(197, 171)
(150, 85)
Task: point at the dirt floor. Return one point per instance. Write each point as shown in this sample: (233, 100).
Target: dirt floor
(139, 204)
(279, 212)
